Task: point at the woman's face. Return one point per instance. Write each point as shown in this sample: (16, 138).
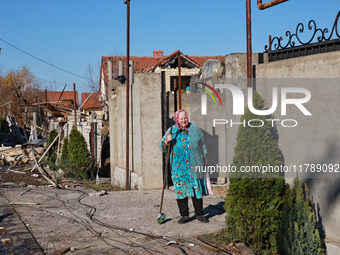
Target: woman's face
(183, 119)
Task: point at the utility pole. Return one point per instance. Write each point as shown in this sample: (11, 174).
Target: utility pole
(127, 2)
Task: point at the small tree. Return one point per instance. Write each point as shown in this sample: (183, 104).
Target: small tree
(22, 89)
(298, 234)
(65, 153)
(79, 156)
(253, 204)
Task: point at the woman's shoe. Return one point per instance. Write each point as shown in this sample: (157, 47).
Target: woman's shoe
(202, 219)
(183, 220)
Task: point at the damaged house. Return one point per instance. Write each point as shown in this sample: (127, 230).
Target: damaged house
(190, 65)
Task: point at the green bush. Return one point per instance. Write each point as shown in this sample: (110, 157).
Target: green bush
(79, 156)
(253, 205)
(256, 145)
(253, 209)
(65, 153)
(298, 234)
(64, 159)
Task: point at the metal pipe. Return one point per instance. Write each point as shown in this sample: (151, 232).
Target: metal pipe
(74, 105)
(270, 43)
(131, 73)
(46, 122)
(127, 2)
(164, 116)
(249, 48)
(175, 96)
(269, 4)
(179, 82)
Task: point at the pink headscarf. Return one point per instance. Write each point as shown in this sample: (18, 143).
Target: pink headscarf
(177, 121)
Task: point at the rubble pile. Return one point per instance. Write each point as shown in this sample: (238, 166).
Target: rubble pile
(18, 155)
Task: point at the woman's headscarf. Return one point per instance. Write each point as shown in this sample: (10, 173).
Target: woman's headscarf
(177, 121)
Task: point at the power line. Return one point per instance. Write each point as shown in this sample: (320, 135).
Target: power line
(44, 60)
(52, 82)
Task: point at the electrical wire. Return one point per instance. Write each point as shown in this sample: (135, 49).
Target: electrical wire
(89, 228)
(87, 225)
(49, 242)
(93, 211)
(90, 214)
(44, 61)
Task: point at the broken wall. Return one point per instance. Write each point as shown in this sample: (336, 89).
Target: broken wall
(145, 132)
(84, 127)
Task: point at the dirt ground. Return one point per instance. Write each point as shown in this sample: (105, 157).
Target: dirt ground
(23, 178)
(119, 222)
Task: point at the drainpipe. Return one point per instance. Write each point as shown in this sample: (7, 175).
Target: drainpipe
(179, 82)
(127, 2)
(269, 4)
(249, 48)
(74, 105)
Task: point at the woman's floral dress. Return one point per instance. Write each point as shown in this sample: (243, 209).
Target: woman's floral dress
(186, 156)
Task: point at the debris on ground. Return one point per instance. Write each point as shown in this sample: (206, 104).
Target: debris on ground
(97, 194)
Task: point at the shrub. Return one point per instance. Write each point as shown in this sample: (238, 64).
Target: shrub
(253, 209)
(65, 153)
(253, 205)
(64, 159)
(79, 156)
(298, 234)
(256, 145)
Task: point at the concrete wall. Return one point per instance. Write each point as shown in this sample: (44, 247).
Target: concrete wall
(324, 65)
(316, 139)
(145, 133)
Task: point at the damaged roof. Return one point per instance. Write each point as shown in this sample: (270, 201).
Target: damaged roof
(92, 103)
(149, 64)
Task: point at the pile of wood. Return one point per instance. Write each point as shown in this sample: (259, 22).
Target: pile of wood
(17, 156)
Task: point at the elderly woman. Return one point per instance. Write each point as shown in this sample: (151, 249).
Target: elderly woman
(188, 151)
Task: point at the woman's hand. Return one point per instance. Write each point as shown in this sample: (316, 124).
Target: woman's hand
(168, 139)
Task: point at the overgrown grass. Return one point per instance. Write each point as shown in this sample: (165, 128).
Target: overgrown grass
(102, 186)
(219, 237)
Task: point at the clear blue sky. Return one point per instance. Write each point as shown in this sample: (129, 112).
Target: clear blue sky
(71, 34)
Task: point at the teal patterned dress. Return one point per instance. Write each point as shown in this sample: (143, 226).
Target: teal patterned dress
(187, 155)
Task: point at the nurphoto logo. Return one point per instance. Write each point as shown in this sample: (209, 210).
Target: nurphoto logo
(239, 103)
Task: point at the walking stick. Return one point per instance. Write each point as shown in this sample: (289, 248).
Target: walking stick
(161, 216)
